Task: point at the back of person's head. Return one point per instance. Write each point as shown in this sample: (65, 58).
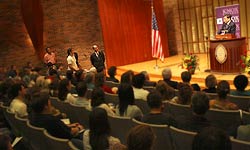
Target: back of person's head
(186, 76)
(99, 129)
(97, 97)
(145, 74)
(52, 72)
(140, 137)
(166, 91)
(79, 75)
(63, 89)
(69, 74)
(14, 90)
(90, 77)
(166, 74)
(185, 93)
(112, 71)
(5, 142)
(154, 99)
(211, 81)
(126, 97)
(223, 88)
(99, 79)
(127, 77)
(39, 101)
(81, 89)
(138, 80)
(200, 103)
(211, 138)
(240, 82)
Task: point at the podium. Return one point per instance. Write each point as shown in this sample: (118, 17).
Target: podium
(225, 53)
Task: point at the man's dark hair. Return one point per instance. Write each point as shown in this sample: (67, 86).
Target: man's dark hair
(97, 97)
(39, 100)
(223, 88)
(211, 138)
(138, 80)
(228, 16)
(186, 76)
(14, 90)
(240, 82)
(200, 103)
(81, 89)
(112, 71)
(154, 99)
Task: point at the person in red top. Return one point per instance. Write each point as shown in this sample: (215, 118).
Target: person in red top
(49, 57)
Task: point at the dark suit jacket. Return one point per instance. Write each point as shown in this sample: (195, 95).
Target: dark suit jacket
(228, 28)
(98, 62)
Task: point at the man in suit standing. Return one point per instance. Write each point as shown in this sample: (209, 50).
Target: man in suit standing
(97, 59)
(228, 25)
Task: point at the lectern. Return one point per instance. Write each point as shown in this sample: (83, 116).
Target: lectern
(225, 53)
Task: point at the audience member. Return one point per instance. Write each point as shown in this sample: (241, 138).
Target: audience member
(71, 60)
(156, 116)
(138, 81)
(223, 89)
(18, 106)
(184, 95)
(112, 73)
(80, 75)
(90, 80)
(98, 100)
(12, 72)
(211, 84)
(98, 136)
(41, 117)
(64, 91)
(166, 91)
(140, 137)
(167, 75)
(243, 133)
(127, 76)
(197, 121)
(240, 82)
(5, 142)
(147, 80)
(211, 138)
(127, 107)
(81, 100)
(186, 78)
(99, 82)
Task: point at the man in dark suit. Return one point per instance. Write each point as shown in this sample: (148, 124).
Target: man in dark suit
(97, 59)
(228, 25)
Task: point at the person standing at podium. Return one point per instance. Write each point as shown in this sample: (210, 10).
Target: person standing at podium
(228, 26)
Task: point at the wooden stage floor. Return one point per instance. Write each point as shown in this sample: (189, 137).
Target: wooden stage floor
(173, 63)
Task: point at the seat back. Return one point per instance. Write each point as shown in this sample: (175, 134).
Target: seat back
(228, 120)
(149, 88)
(111, 84)
(57, 143)
(10, 118)
(143, 105)
(20, 123)
(243, 102)
(212, 95)
(239, 145)
(245, 118)
(58, 104)
(163, 139)
(177, 109)
(120, 127)
(182, 140)
(36, 137)
(111, 98)
(88, 93)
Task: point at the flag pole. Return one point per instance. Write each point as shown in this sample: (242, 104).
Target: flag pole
(156, 65)
(152, 10)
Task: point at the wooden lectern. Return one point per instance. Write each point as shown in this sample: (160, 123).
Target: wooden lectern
(225, 53)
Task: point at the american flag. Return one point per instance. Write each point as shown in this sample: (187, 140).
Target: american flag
(156, 40)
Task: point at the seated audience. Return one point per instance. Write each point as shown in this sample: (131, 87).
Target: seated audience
(127, 107)
(240, 82)
(138, 81)
(147, 80)
(140, 137)
(211, 138)
(167, 74)
(98, 100)
(18, 104)
(81, 100)
(186, 78)
(79, 75)
(223, 89)
(196, 122)
(90, 80)
(127, 76)
(41, 117)
(167, 92)
(98, 136)
(12, 72)
(99, 82)
(5, 142)
(243, 133)
(185, 94)
(156, 116)
(112, 73)
(211, 84)
(64, 91)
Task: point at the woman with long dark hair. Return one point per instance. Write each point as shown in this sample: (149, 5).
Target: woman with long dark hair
(64, 91)
(98, 136)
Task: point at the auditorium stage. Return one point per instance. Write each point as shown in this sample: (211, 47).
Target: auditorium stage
(173, 62)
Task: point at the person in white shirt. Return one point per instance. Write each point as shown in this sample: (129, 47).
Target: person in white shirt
(18, 105)
(71, 60)
(138, 82)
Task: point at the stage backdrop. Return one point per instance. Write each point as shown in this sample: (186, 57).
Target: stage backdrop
(234, 10)
(126, 28)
